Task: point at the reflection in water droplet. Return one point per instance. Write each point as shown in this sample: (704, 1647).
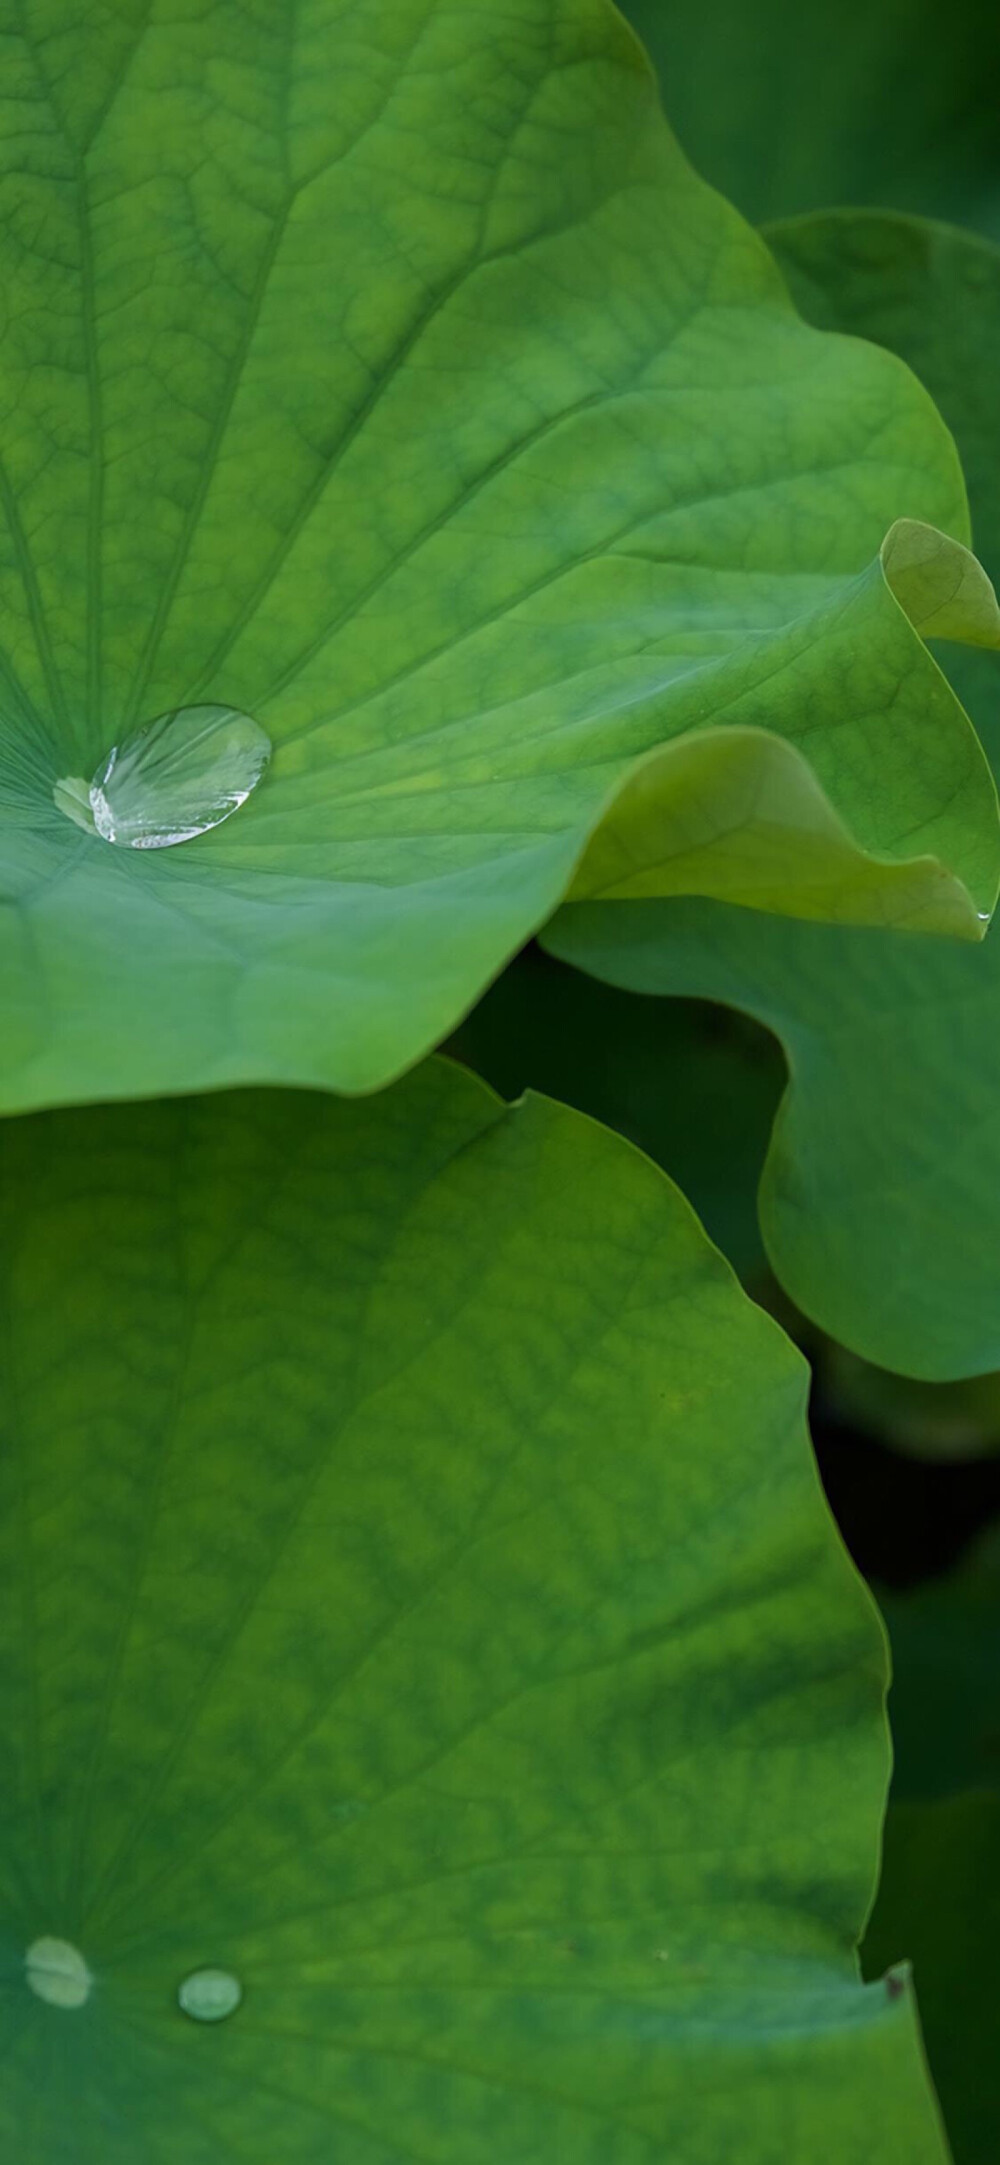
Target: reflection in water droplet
(171, 780)
(72, 795)
(57, 1972)
(210, 1995)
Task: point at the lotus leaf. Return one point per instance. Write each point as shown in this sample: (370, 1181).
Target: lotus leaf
(880, 1203)
(438, 1718)
(386, 376)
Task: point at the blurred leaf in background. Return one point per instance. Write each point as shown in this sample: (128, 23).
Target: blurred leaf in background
(955, 1422)
(789, 107)
(939, 1897)
(946, 1668)
(695, 1086)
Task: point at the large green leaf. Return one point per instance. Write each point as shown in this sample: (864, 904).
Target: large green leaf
(881, 1199)
(418, 1603)
(385, 375)
(790, 108)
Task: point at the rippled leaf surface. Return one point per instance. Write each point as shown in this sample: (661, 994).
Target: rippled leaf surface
(880, 1199)
(417, 1604)
(930, 293)
(385, 375)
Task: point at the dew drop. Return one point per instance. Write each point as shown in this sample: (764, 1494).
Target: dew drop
(57, 1972)
(171, 780)
(72, 795)
(210, 1995)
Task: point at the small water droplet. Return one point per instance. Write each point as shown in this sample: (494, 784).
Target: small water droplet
(171, 780)
(210, 1995)
(57, 1972)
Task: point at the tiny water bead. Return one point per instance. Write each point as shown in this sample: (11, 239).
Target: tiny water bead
(57, 1972)
(210, 1995)
(172, 779)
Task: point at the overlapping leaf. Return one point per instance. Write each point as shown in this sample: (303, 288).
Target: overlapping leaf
(693, 1087)
(880, 1199)
(417, 1602)
(930, 293)
(386, 375)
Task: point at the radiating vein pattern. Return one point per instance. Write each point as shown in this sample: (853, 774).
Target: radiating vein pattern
(434, 1704)
(384, 373)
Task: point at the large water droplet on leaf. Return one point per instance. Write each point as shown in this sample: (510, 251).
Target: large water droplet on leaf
(172, 779)
(210, 1995)
(57, 1972)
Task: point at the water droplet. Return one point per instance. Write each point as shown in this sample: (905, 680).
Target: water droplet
(210, 1995)
(57, 1972)
(171, 780)
(72, 796)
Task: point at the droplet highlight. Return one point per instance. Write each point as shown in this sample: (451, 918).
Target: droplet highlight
(171, 780)
(210, 1995)
(72, 798)
(57, 1973)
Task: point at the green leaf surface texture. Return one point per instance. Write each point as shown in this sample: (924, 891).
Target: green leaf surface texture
(880, 1202)
(420, 1613)
(385, 375)
(789, 108)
